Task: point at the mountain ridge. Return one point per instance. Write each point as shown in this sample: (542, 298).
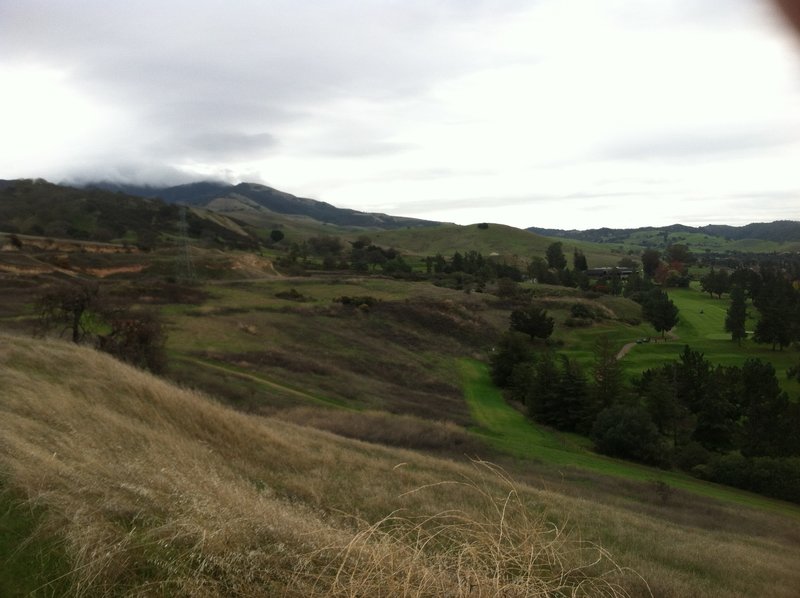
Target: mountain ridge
(204, 192)
(777, 230)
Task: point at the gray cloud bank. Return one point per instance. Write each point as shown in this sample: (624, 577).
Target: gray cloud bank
(504, 110)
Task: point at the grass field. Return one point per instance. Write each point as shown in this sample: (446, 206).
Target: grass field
(701, 325)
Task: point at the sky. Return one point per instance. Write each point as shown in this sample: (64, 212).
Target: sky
(550, 113)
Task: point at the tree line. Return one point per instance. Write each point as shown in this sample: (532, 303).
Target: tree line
(717, 422)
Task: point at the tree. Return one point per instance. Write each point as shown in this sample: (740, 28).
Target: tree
(579, 261)
(573, 393)
(660, 311)
(512, 349)
(736, 315)
(678, 253)
(651, 258)
(608, 387)
(542, 397)
(532, 321)
(636, 287)
(767, 428)
(555, 256)
(778, 304)
(627, 431)
(137, 337)
(716, 282)
(660, 397)
(276, 235)
(69, 307)
(539, 272)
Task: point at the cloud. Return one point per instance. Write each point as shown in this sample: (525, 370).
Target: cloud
(456, 105)
(690, 145)
(217, 146)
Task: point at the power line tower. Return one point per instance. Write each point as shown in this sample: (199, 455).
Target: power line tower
(184, 267)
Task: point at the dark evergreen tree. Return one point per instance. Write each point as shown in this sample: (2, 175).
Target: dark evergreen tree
(608, 384)
(660, 311)
(555, 256)
(779, 307)
(579, 261)
(573, 391)
(627, 431)
(659, 394)
(532, 321)
(736, 315)
(512, 349)
(651, 259)
(766, 411)
(543, 399)
(718, 415)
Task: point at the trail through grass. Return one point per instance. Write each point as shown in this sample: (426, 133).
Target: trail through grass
(261, 380)
(509, 431)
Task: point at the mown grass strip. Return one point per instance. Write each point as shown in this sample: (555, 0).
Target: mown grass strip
(509, 431)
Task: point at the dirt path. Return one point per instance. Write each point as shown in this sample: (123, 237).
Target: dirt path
(625, 348)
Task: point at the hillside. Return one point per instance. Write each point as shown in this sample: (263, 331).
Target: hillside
(251, 197)
(781, 235)
(155, 487)
(497, 238)
(39, 208)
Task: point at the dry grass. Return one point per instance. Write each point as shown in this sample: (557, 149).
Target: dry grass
(155, 490)
(404, 431)
(507, 550)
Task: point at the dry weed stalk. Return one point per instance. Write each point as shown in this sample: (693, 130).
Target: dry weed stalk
(507, 549)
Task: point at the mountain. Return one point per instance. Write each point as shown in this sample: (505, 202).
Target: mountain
(39, 208)
(250, 196)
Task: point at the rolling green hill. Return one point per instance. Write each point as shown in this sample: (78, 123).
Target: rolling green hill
(497, 238)
(39, 208)
(782, 235)
(252, 195)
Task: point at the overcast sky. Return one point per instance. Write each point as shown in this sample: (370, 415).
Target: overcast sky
(554, 113)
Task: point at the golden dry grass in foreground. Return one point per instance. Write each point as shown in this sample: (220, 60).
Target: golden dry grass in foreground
(156, 490)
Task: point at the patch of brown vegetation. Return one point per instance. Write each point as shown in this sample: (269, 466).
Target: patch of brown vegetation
(405, 431)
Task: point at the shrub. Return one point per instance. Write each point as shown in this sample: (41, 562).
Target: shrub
(357, 300)
(137, 338)
(580, 310)
(628, 431)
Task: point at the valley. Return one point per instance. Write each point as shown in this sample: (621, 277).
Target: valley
(323, 408)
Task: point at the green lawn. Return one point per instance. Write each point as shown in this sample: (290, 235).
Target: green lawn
(511, 432)
(701, 325)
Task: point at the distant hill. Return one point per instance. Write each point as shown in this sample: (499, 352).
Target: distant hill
(780, 231)
(39, 208)
(250, 196)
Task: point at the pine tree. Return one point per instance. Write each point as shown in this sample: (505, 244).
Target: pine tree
(736, 315)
